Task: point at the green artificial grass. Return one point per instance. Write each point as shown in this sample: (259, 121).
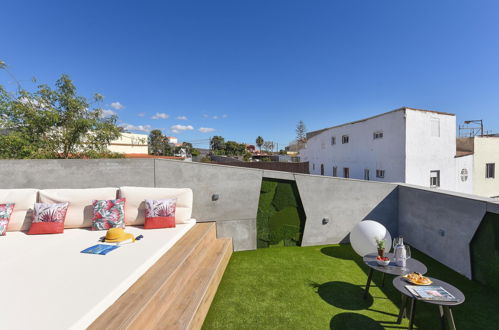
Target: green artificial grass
(321, 287)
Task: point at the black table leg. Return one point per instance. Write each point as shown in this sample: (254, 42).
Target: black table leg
(412, 313)
(382, 279)
(442, 317)
(368, 284)
(449, 318)
(403, 305)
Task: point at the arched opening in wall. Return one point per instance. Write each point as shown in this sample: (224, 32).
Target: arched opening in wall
(322, 169)
(484, 251)
(280, 220)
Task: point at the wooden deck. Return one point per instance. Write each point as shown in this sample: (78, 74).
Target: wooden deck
(175, 293)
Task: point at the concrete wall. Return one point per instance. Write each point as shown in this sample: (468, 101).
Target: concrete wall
(234, 211)
(345, 203)
(441, 224)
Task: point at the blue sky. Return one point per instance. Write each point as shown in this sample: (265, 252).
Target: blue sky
(249, 68)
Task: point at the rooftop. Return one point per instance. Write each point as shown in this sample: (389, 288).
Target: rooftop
(314, 133)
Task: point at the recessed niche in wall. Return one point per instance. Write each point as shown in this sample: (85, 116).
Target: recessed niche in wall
(280, 219)
(484, 251)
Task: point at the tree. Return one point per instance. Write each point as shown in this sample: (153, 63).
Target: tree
(195, 152)
(301, 132)
(156, 142)
(259, 142)
(54, 123)
(217, 143)
(268, 146)
(231, 148)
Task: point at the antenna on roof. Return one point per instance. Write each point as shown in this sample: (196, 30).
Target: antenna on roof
(471, 128)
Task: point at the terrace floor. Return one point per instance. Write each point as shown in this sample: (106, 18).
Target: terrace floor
(321, 287)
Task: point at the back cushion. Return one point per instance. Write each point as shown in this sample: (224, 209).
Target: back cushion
(80, 210)
(25, 200)
(135, 202)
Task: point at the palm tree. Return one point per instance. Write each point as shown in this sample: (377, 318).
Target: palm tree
(259, 142)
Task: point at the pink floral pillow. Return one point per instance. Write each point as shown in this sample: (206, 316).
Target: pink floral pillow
(108, 214)
(48, 218)
(160, 213)
(5, 213)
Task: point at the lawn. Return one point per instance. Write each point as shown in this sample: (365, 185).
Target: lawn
(321, 287)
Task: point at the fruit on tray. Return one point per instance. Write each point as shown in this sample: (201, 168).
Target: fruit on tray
(417, 278)
(382, 258)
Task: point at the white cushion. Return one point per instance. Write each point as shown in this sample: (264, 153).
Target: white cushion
(80, 210)
(25, 200)
(135, 202)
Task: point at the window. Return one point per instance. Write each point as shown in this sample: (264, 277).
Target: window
(464, 175)
(313, 167)
(377, 135)
(380, 173)
(344, 139)
(333, 140)
(346, 172)
(435, 127)
(434, 179)
(335, 171)
(322, 169)
(490, 170)
(366, 174)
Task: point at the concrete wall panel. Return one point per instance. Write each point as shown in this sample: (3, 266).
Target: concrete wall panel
(243, 233)
(345, 203)
(440, 225)
(76, 173)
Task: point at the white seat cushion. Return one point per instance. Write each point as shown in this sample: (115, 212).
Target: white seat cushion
(135, 202)
(80, 210)
(25, 200)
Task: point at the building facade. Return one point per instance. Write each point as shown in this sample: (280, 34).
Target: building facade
(482, 155)
(130, 143)
(405, 145)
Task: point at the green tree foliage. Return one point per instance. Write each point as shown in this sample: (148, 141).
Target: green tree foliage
(217, 143)
(54, 123)
(195, 152)
(259, 142)
(156, 142)
(301, 132)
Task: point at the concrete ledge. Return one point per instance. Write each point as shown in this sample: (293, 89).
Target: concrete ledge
(243, 233)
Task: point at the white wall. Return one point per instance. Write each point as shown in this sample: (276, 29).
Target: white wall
(426, 152)
(362, 151)
(486, 151)
(130, 143)
(464, 163)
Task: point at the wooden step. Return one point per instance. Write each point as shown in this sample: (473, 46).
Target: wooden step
(142, 303)
(190, 309)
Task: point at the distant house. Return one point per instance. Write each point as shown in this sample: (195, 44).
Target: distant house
(130, 143)
(406, 145)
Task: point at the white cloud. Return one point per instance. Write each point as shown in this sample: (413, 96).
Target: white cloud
(107, 113)
(206, 129)
(142, 128)
(224, 116)
(117, 105)
(177, 128)
(160, 115)
(141, 114)
(182, 118)
(215, 117)
(205, 116)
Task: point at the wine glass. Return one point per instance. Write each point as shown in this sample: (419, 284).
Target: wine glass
(407, 252)
(396, 241)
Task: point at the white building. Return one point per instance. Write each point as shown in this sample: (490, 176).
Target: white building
(130, 143)
(404, 145)
(477, 157)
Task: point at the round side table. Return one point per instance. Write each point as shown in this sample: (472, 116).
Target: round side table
(443, 306)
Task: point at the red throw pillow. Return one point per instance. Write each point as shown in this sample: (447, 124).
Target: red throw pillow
(48, 218)
(160, 213)
(5, 213)
(108, 214)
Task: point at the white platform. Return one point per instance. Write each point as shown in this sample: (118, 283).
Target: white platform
(46, 283)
